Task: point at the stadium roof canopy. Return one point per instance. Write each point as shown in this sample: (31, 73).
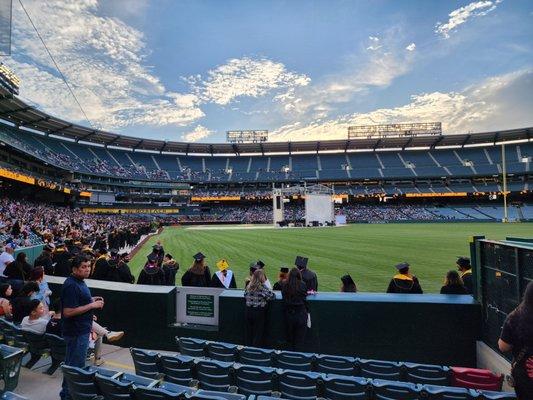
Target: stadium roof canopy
(18, 112)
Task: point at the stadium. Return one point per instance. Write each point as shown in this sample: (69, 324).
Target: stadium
(342, 216)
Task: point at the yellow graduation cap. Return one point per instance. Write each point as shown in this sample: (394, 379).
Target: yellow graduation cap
(222, 265)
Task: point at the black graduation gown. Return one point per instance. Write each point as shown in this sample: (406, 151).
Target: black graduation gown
(189, 278)
(216, 283)
(151, 276)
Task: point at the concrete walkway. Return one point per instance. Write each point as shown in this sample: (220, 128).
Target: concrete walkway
(35, 385)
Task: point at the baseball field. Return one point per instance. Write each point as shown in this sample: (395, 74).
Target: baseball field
(366, 251)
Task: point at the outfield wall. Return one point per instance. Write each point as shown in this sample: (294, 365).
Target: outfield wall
(433, 329)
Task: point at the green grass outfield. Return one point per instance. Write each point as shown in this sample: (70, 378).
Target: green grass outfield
(367, 251)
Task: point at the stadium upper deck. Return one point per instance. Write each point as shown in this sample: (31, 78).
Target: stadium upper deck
(86, 151)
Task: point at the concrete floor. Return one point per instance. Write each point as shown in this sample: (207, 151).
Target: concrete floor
(35, 385)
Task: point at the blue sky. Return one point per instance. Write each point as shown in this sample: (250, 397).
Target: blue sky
(304, 70)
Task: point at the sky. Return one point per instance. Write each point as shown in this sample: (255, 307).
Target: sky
(190, 70)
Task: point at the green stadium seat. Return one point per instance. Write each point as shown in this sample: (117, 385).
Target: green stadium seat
(426, 374)
(254, 380)
(376, 369)
(256, 356)
(113, 389)
(177, 369)
(222, 351)
(298, 385)
(37, 347)
(491, 395)
(10, 361)
(387, 390)
(146, 363)
(80, 382)
(58, 350)
(335, 365)
(340, 387)
(432, 392)
(214, 375)
(191, 347)
(294, 360)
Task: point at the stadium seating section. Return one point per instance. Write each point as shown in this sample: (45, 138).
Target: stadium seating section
(409, 164)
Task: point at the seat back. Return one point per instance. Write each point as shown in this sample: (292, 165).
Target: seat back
(294, 360)
(37, 344)
(113, 389)
(8, 330)
(387, 390)
(252, 379)
(474, 378)
(256, 356)
(432, 392)
(137, 380)
(175, 388)
(426, 374)
(177, 369)
(335, 365)
(144, 393)
(340, 387)
(10, 361)
(491, 395)
(210, 395)
(145, 362)
(214, 375)
(375, 369)
(19, 339)
(191, 347)
(298, 385)
(58, 347)
(222, 351)
(81, 384)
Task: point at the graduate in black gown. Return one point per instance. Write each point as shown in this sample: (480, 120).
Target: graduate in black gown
(224, 277)
(199, 274)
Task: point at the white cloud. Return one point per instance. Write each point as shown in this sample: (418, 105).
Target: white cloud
(244, 77)
(411, 47)
(463, 14)
(374, 43)
(198, 133)
(500, 102)
(102, 58)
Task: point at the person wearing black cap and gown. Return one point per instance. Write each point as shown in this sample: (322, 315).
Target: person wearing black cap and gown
(403, 281)
(294, 293)
(159, 252)
(308, 277)
(101, 265)
(465, 271)
(151, 274)
(348, 285)
(283, 274)
(199, 274)
(61, 260)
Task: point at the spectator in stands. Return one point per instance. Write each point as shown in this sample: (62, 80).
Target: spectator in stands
(170, 269)
(308, 277)
(45, 260)
(463, 264)
(256, 296)
(37, 320)
(6, 257)
(37, 276)
(19, 269)
(22, 303)
(151, 274)
(348, 284)
(77, 311)
(453, 284)
(118, 269)
(199, 274)
(224, 277)
(517, 337)
(294, 294)
(6, 309)
(101, 265)
(282, 278)
(404, 282)
(6, 291)
(61, 260)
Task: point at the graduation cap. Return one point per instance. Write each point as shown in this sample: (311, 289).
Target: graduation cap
(152, 257)
(113, 252)
(198, 257)
(260, 264)
(158, 247)
(402, 265)
(222, 265)
(301, 262)
(463, 262)
(284, 270)
(347, 280)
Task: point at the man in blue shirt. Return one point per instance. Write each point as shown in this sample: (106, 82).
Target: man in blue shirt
(77, 309)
